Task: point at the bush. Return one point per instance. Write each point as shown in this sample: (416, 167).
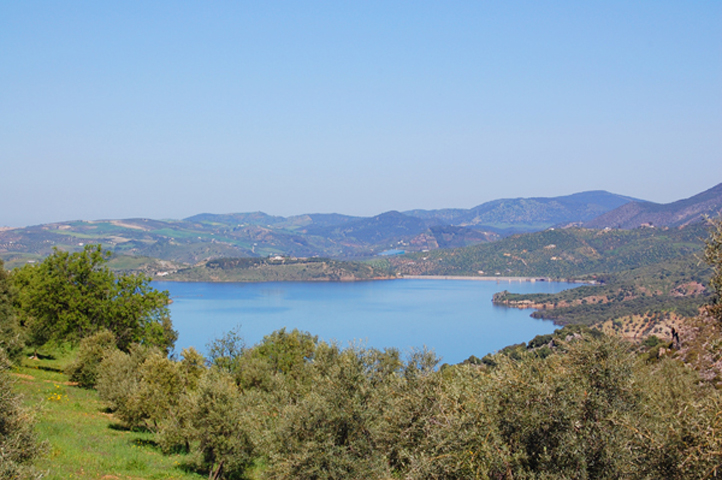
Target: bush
(118, 379)
(330, 432)
(218, 419)
(18, 443)
(713, 256)
(84, 369)
(11, 338)
(680, 427)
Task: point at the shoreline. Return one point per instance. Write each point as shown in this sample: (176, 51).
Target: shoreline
(399, 277)
(493, 279)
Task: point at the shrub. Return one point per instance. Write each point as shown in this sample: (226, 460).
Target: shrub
(713, 256)
(18, 443)
(192, 367)
(84, 369)
(224, 443)
(117, 383)
(159, 387)
(680, 427)
(11, 338)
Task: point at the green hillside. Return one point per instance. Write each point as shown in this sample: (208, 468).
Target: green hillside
(277, 269)
(669, 288)
(559, 253)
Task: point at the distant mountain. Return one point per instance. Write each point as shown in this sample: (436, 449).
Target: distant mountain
(675, 214)
(207, 236)
(517, 215)
(379, 229)
(236, 219)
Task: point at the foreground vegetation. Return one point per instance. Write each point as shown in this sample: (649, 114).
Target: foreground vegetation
(81, 439)
(575, 404)
(293, 407)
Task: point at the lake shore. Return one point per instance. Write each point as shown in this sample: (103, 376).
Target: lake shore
(494, 279)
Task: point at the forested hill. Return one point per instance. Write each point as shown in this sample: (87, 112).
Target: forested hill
(675, 214)
(559, 253)
(277, 269)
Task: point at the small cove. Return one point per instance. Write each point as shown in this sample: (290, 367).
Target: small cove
(455, 318)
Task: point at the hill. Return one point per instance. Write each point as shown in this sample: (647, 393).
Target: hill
(516, 215)
(205, 236)
(277, 269)
(633, 303)
(559, 253)
(646, 281)
(675, 214)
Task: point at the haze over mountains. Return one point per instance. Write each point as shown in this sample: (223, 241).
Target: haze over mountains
(206, 236)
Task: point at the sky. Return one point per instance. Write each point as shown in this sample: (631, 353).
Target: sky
(169, 109)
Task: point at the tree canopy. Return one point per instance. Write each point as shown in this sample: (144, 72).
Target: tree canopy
(713, 256)
(70, 296)
(10, 337)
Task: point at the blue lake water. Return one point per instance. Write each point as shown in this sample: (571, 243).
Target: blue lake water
(455, 318)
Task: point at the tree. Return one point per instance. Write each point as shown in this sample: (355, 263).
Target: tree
(18, 442)
(713, 256)
(224, 442)
(70, 296)
(10, 336)
(84, 369)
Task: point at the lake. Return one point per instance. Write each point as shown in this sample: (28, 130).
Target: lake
(455, 318)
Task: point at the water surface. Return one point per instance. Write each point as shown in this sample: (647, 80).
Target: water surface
(455, 318)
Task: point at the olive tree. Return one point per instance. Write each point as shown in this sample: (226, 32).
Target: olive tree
(713, 256)
(92, 350)
(11, 339)
(18, 442)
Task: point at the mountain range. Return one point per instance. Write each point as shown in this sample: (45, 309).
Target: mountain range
(676, 214)
(202, 237)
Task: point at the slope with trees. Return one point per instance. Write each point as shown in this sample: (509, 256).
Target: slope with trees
(559, 253)
(278, 269)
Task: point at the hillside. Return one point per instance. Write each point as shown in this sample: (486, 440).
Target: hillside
(206, 236)
(559, 253)
(675, 214)
(277, 269)
(633, 303)
(516, 215)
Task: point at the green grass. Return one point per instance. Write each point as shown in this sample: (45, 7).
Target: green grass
(84, 441)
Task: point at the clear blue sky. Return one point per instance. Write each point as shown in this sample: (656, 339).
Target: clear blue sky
(168, 109)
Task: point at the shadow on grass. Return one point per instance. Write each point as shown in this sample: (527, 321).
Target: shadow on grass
(43, 367)
(189, 466)
(41, 356)
(193, 465)
(142, 442)
(124, 428)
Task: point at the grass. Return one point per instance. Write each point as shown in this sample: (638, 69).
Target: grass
(84, 440)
